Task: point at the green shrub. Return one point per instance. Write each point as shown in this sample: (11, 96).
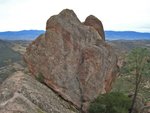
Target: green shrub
(40, 77)
(113, 102)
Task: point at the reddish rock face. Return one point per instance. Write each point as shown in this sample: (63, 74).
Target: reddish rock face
(72, 59)
(95, 23)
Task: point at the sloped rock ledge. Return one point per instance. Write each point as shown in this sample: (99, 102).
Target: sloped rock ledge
(22, 94)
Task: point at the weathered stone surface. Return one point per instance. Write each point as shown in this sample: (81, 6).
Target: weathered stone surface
(72, 59)
(22, 94)
(97, 24)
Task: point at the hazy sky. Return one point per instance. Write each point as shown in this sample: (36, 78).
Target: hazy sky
(132, 15)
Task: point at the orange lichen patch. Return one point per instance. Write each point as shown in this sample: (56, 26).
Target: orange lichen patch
(88, 53)
(67, 38)
(109, 80)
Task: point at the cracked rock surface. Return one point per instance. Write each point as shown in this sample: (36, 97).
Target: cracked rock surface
(21, 93)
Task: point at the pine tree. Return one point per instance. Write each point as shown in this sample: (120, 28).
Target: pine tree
(138, 65)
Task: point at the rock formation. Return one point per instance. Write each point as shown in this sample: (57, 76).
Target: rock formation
(95, 23)
(21, 93)
(73, 59)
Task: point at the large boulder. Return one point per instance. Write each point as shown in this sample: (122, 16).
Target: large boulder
(21, 93)
(72, 59)
(95, 23)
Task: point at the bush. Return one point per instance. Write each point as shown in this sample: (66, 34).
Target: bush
(40, 77)
(113, 102)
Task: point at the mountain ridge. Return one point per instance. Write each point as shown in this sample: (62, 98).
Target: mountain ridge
(20, 35)
(110, 35)
(127, 35)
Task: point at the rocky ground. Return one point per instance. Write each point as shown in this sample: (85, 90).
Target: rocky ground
(21, 93)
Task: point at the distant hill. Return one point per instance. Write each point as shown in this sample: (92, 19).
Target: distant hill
(21, 35)
(7, 54)
(126, 35)
(4, 44)
(127, 45)
(110, 35)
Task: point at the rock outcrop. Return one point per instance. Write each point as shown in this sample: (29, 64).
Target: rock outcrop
(95, 23)
(73, 59)
(21, 93)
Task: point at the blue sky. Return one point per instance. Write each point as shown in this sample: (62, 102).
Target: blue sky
(130, 15)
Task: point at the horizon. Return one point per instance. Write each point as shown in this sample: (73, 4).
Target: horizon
(109, 35)
(117, 15)
(45, 30)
